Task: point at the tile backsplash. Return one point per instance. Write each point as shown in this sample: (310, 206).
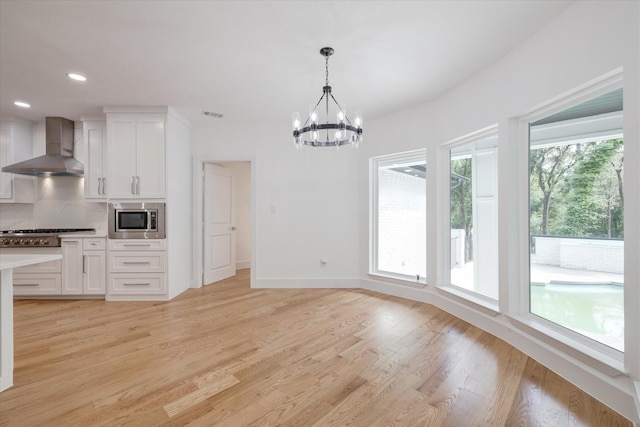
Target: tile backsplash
(59, 203)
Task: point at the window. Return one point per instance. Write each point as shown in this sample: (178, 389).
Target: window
(399, 216)
(576, 224)
(473, 216)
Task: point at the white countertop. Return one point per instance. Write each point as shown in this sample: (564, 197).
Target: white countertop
(19, 260)
(99, 235)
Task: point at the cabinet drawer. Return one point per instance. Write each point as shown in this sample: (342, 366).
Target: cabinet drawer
(136, 245)
(37, 284)
(93, 244)
(43, 267)
(136, 284)
(122, 262)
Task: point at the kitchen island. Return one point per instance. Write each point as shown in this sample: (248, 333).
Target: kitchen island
(7, 263)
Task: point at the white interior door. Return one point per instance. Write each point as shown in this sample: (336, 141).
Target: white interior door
(219, 232)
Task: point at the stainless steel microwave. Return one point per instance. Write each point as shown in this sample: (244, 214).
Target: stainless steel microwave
(136, 220)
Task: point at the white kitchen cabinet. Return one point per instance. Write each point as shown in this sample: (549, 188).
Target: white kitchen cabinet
(29, 284)
(137, 268)
(95, 173)
(16, 144)
(83, 266)
(72, 266)
(137, 284)
(94, 276)
(136, 155)
(42, 279)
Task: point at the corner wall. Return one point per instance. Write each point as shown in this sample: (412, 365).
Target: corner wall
(305, 204)
(588, 40)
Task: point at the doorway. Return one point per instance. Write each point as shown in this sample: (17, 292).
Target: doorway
(225, 234)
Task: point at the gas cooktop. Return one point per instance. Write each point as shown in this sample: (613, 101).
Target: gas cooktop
(47, 231)
(37, 237)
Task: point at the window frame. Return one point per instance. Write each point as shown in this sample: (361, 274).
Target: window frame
(517, 307)
(374, 167)
(479, 300)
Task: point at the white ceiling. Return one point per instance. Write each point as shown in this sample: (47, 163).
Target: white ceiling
(249, 60)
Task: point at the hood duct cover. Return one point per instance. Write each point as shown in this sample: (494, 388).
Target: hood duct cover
(58, 160)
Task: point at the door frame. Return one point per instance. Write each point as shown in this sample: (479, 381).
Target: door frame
(198, 218)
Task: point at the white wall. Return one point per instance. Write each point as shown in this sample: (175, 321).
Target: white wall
(305, 203)
(314, 204)
(585, 42)
(178, 215)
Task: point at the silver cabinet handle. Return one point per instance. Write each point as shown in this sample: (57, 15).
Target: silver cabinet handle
(137, 284)
(133, 184)
(144, 245)
(104, 185)
(25, 284)
(99, 184)
(137, 185)
(233, 228)
(137, 262)
(84, 263)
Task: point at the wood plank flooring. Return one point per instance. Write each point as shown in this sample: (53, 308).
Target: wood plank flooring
(228, 355)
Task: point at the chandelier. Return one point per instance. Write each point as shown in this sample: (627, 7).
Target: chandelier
(318, 132)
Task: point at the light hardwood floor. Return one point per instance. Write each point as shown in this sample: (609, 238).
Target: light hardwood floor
(229, 355)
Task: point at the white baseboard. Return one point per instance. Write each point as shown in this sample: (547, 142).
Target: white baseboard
(241, 265)
(615, 391)
(137, 298)
(307, 282)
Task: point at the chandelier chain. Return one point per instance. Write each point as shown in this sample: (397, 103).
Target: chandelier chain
(326, 70)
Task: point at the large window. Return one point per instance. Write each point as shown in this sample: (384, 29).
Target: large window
(473, 202)
(399, 210)
(576, 224)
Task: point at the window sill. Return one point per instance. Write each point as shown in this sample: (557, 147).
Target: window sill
(610, 363)
(399, 280)
(486, 305)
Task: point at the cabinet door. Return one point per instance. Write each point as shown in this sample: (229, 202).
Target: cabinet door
(121, 158)
(94, 173)
(72, 267)
(6, 158)
(150, 156)
(94, 273)
(15, 146)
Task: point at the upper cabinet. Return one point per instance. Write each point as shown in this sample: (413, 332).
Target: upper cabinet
(95, 173)
(16, 144)
(136, 155)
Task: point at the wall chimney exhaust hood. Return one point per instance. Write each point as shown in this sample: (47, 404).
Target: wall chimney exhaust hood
(58, 160)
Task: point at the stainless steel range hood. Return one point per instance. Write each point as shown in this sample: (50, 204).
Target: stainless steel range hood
(58, 160)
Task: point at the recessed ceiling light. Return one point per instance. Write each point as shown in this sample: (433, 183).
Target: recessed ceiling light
(22, 104)
(77, 77)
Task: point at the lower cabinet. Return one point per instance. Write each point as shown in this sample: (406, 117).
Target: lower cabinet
(84, 269)
(40, 279)
(137, 267)
(32, 284)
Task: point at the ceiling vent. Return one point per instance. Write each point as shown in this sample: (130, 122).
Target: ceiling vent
(212, 114)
